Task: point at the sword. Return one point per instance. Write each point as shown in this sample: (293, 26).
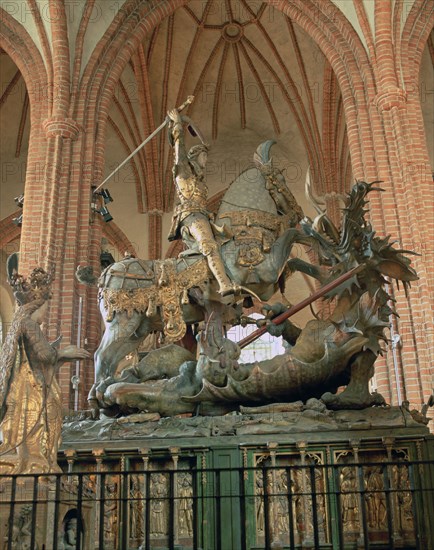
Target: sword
(187, 102)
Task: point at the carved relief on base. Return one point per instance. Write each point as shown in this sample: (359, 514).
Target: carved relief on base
(287, 494)
(185, 505)
(371, 490)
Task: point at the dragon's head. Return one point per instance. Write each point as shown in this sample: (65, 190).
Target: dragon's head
(358, 244)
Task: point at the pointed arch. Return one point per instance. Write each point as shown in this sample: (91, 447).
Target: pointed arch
(117, 238)
(17, 43)
(324, 23)
(415, 34)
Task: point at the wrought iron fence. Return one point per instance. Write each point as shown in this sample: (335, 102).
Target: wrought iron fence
(349, 505)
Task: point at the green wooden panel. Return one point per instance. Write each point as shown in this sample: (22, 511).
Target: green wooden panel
(226, 483)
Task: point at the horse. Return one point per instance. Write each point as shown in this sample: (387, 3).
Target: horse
(138, 297)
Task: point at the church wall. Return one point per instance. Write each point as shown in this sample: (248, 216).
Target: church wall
(386, 140)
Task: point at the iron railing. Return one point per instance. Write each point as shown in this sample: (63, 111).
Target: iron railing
(347, 505)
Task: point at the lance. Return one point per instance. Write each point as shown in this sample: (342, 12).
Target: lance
(301, 305)
(187, 102)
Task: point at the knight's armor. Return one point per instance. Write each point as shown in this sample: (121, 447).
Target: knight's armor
(191, 214)
(192, 194)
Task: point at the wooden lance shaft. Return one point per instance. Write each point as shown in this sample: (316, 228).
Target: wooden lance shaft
(301, 305)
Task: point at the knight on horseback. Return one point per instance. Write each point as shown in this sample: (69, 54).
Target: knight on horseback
(191, 219)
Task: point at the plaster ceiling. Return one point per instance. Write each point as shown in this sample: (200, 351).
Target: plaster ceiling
(14, 134)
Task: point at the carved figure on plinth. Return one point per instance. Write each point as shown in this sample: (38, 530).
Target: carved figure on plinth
(349, 500)
(69, 537)
(185, 507)
(259, 492)
(111, 513)
(282, 503)
(21, 535)
(404, 499)
(158, 523)
(376, 499)
(30, 402)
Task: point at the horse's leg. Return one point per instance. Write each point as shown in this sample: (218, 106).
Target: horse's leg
(281, 250)
(120, 338)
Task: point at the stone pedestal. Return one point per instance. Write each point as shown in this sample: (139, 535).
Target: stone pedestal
(304, 478)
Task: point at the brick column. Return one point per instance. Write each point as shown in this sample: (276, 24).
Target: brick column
(394, 148)
(387, 142)
(57, 234)
(155, 227)
(407, 213)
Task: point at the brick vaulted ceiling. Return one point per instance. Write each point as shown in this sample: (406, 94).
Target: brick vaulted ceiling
(255, 75)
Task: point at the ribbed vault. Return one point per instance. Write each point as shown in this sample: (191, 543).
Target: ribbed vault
(255, 74)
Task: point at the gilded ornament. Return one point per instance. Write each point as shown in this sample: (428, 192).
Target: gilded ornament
(30, 401)
(169, 295)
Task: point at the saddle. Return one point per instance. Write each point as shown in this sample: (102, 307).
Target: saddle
(166, 289)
